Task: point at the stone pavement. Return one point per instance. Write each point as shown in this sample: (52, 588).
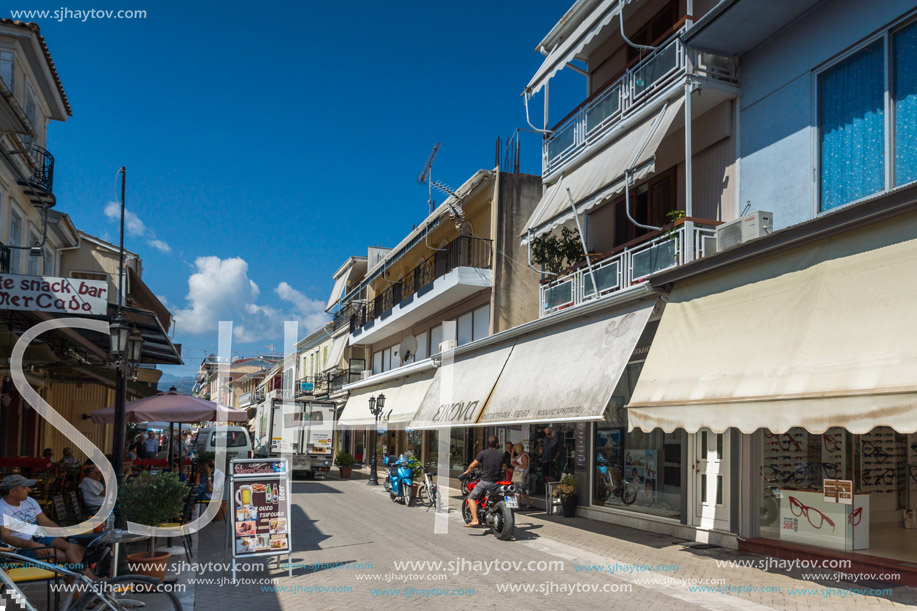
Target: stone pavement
(349, 541)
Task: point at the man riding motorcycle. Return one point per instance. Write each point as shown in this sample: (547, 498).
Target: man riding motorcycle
(491, 462)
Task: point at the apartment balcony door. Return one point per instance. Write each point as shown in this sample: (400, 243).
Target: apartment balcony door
(710, 463)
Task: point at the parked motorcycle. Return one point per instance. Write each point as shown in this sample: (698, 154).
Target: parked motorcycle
(400, 479)
(615, 484)
(495, 508)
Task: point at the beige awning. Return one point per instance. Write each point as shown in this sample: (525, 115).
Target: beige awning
(336, 353)
(573, 45)
(822, 335)
(603, 176)
(567, 372)
(461, 388)
(337, 291)
(403, 397)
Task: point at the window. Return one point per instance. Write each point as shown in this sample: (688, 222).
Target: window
(89, 276)
(482, 322)
(49, 262)
(377, 363)
(465, 330)
(867, 138)
(436, 338)
(386, 359)
(35, 263)
(905, 96)
(421, 346)
(7, 71)
(31, 111)
(15, 239)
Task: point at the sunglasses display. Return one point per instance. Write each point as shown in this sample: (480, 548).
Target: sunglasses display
(815, 517)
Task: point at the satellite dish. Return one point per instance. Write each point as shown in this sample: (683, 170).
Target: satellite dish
(408, 348)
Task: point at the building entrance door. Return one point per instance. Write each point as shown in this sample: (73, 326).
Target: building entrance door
(710, 463)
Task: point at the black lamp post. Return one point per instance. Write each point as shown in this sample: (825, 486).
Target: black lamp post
(375, 408)
(126, 348)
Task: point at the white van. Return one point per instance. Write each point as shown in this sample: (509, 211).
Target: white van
(238, 442)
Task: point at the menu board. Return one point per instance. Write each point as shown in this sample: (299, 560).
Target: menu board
(580, 436)
(260, 509)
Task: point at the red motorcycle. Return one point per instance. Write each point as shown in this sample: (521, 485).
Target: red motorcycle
(495, 508)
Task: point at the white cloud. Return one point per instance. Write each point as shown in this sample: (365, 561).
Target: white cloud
(132, 223)
(220, 289)
(160, 246)
(134, 226)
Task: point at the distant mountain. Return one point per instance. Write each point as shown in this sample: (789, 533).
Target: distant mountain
(181, 384)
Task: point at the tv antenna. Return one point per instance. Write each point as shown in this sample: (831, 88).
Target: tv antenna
(455, 211)
(426, 176)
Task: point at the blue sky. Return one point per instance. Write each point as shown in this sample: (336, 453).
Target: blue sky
(265, 143)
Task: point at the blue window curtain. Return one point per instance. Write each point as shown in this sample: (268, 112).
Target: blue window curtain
(905, 75)
(851, 110)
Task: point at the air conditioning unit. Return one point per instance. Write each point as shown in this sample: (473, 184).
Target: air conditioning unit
(450, 344)
(366, 374)
(751, 226)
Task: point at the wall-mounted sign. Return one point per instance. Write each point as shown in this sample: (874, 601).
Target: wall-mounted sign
(52, 294)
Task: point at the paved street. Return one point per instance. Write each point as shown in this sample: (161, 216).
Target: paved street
(348, 538)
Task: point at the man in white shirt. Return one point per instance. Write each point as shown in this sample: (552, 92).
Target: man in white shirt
(93, 489)
(21, 519)
(151, 445)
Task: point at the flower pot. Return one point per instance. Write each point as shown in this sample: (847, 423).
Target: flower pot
(569, 506)
(345, 472)
(152, 565)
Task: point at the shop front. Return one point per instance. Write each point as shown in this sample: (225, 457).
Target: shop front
(802, 361)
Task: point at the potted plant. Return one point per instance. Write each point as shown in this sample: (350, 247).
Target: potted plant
(345, 463)
(566, 492)
(417, 477)
(152, 500)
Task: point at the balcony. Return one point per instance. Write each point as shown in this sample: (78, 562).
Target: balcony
(338, 380)
(342, 317)
(310, 386)
(461, 269)
(628, 266)
(39, 186)
(637, 88)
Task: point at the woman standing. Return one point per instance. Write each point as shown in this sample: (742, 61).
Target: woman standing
(520, 479)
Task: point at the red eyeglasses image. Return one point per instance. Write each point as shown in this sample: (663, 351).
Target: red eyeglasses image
(816, 518)
(855, 517)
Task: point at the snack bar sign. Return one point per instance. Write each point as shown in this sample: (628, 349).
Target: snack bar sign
(50, 294)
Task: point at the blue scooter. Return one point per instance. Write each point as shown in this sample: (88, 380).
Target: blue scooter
(399, 480)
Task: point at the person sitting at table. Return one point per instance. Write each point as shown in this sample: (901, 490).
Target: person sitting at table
(48, 455)
(21, 519)
(213, 479)
(69, 460)
(93, 489)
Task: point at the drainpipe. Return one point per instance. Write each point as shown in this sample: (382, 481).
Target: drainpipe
(689, 162)
(630, 169)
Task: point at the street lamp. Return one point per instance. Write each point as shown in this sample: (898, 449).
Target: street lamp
(375, 408)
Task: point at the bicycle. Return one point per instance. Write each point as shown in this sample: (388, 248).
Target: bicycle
(429, 492)
(119, 593)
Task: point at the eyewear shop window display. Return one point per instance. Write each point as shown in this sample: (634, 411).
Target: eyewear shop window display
(636, 471)
(791, 492)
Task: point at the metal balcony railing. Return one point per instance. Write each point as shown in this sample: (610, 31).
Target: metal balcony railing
(342, 316)
(311, 385)
(628, 266)
(339, 379)
(4, 259)
(43, 175)
(463, 251)
(630, 93)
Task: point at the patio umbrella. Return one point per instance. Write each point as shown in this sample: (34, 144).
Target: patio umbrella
(171, 407)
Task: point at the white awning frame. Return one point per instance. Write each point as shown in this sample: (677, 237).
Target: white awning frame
(338, 345)
(568, 49)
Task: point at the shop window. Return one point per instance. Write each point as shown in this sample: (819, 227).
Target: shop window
(457, 449)
(806, 482)
(636, 471)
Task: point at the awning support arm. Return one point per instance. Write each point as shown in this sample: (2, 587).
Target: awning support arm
(582, 239)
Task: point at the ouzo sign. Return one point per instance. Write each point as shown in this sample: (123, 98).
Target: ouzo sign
(52, 294)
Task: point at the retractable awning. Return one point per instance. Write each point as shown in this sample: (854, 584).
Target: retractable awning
(822, 335)
(336, 353)
(567, 372)
(603, 176)
(568, 49)
(461, 388)
(339, 284)
(403, 397)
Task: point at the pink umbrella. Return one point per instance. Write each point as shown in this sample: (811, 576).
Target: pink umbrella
(172, 407)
